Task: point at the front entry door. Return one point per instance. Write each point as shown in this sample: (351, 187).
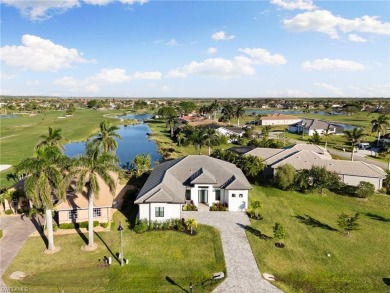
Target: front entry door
(203, 196)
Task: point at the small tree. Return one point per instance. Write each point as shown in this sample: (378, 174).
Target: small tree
(365, 189)
(315, 139)
(142, 163)
(279, 234)
(348, 222)
(285, 176)
(192, 224)
(256, 206)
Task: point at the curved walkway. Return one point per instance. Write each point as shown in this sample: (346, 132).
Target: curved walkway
(15, 234)
(243, 275)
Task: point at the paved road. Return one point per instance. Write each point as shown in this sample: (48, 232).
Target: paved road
(15, 234)
(243, 275)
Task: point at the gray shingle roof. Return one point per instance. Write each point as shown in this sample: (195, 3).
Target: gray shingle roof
(168, 180)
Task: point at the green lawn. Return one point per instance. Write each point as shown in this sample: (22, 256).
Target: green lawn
(357, 263)
(154, 258)
(20, 135)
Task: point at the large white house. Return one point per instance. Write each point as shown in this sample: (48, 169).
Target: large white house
(200, 180)
(305, 156)
(310, 126)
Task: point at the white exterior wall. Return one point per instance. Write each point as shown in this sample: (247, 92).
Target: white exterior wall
(355, 180)
(279, 122)
(171, 211)
(237, 203)
(320, 131)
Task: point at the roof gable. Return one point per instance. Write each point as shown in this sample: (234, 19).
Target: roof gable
(203, 176)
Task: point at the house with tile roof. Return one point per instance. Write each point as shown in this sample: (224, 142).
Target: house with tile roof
(279, 119)
(310, 126)
(305, 156)
(200, 180)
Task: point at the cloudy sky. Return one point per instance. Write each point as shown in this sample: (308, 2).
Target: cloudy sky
(140, 48)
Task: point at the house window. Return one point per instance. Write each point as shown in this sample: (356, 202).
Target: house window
(159, 212)
(233, 195)
(188, 194)
(217, 194)
(72, 215)
(97, 212)
(240, 195)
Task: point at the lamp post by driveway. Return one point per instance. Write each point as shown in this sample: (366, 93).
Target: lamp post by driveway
(120, 229)
(191, 286)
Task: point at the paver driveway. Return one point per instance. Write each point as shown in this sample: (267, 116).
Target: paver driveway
(16, 232)
(243, 275)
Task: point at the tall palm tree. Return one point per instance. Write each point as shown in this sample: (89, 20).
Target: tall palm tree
(54, 138)
(227, 112)
(353, 137)
(198, 139)
(88, 168)
(214, 106)
(170, 120)
(43, 184)
(380, 125)
(266, 130)
(105, 139)
(238, 112)
(326, 135)
(211, 137)
(180, 137)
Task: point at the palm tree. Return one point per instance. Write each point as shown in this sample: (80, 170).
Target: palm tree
(211, 137)
(214, 106)
(44, 183)
(266, 130)
(88, 168)
(54, 138)
(105, 139)
(180, 137)
(7, 196)
(227, 112)
(385, 152)
(327, 134)
(354, 136)
(170, 120)
(192, 224)
(380, 125)
(238, 113)
(198, 139)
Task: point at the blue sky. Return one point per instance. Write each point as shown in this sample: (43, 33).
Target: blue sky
(139, 48)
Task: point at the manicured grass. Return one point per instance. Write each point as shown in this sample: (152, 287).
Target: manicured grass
(20, 135)
(154, 259)
(357, 263)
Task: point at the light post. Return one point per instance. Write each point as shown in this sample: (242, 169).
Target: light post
(191, 287)
(120, 229)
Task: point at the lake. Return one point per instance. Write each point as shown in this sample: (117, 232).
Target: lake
(134, 141)
(8, 116)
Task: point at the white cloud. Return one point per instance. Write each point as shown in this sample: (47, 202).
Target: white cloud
(356, 38)
(37, 10)
(216, 67)
(40, 55)
(262, 56)
(33, 82)
(212, 50)
(325, 22)
(107, 76)
(294, 4)
(335, 91)
(332, 64)
(171, 43)
(221, 36)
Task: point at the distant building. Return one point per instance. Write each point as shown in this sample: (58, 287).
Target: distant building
(310, 126)
(279, 119)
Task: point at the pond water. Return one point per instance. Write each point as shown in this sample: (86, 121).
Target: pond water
(140, 117)
(8, 116)
(134, 141)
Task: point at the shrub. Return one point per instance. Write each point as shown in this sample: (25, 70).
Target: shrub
(55, 227)
(217, 206)
(190, 207)
(365, 189)
(285, 176)
(112, 226)
(141, 226)
(9, 212)
(104, 225)
(20, 211)
(77, 225)
(1, 233)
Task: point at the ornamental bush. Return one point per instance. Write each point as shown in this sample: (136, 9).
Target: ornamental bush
(365, 189)
(217, 206)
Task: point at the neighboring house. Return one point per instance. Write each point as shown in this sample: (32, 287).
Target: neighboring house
(310, 126)
(279, 119)
(191, 179)
(231, 132)
(304, 156)
(385, 139)
(75, 207)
